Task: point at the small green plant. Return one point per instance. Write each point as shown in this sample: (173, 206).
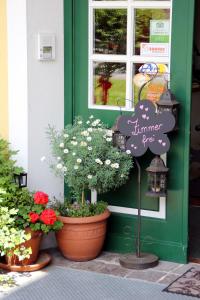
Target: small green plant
(11, 237)
(11, 195)
(75, 209)
(85, 156)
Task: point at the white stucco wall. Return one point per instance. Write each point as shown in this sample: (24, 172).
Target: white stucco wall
(45, 91)
(35, 89)
(17, 79)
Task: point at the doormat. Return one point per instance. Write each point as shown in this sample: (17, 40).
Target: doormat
(188, 284)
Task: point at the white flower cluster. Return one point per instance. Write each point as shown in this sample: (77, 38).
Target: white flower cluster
(98, 161)
(115, 166)
(96, 123)
(74, 143)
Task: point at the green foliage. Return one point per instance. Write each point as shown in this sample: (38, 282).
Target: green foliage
(12, 237)
(85, 156)
(10, 194)
(68, 209)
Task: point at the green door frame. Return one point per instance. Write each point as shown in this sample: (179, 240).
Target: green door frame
(178, 158)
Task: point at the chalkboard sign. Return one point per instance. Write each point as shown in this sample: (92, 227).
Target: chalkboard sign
(146, 129)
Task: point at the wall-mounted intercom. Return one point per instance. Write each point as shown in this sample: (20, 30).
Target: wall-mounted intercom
(46, 46)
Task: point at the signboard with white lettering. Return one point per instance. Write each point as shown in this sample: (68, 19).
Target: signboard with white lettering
(154, 49)
(146, 129)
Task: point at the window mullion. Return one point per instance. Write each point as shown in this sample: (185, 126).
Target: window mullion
(129, 85)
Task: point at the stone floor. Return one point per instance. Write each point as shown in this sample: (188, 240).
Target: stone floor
(108, 263)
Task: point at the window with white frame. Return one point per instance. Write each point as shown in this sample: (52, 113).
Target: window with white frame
(123, 35)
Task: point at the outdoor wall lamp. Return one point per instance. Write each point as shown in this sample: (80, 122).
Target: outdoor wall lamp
(119, 140)
(21, 179)
(157, 178)
(167, 102)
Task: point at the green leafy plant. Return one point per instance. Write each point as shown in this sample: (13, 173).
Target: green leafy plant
(10, 194)
(85, 156)
(11, 237)
(68, 209)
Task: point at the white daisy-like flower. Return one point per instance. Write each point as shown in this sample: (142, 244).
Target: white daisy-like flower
(91, 117)
(90, 129)
(98, 161)
(75, 167)
(85, 133)
(128, 151)
(74, 153)
(89, 176)
(66, 151)
(58, 158)
(80, 122)
(74, 143)
(84, 144)
(66, 135)
(88, 122)
(107, 162)
(94, 124)
(116, 166)
(74, 138)
(62, 145)
(112, 165)
(89, 138)
(122, 175)
(79, 160)
(59, 166)
(64, 169)
(89, 148)
(43, 158)
(109, 132)
(108, 139)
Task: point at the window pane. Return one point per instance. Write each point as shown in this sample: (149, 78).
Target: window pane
(109, 83)
(152, 26)
(110, 31)
(153, 89)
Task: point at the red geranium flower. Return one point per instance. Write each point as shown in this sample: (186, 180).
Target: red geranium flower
(48, 216)
(40, 198)
(33, 217)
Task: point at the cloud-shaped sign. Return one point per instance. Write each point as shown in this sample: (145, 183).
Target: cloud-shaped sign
(147, 129)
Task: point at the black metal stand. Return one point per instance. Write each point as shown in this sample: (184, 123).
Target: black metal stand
(138, 260)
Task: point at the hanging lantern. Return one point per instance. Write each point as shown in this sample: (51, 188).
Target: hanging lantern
(119, 140)
(167, 102)
(157, 178)
(21, 179)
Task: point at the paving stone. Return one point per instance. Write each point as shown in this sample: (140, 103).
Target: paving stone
(109, 257)
(148, 275)
(113, 269)
(166, 266)
(183, 268)
(168, 278)
(87, 265)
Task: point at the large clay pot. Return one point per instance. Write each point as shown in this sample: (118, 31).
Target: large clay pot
(34, 243)
(81, 239)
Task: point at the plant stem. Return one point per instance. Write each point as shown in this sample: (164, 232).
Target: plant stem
(83, 198)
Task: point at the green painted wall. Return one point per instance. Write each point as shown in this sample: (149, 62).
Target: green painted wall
(166, 238)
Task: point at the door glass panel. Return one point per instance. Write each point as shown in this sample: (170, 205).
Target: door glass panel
(151, 26)
(109, 84)
(153, 89)
(110, 29)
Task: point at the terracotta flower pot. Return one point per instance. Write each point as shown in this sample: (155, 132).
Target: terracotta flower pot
(81, 239)
(34, 243)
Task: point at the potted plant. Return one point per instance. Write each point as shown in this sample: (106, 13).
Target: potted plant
(12, 239)
(85, 156)
(32, 217)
